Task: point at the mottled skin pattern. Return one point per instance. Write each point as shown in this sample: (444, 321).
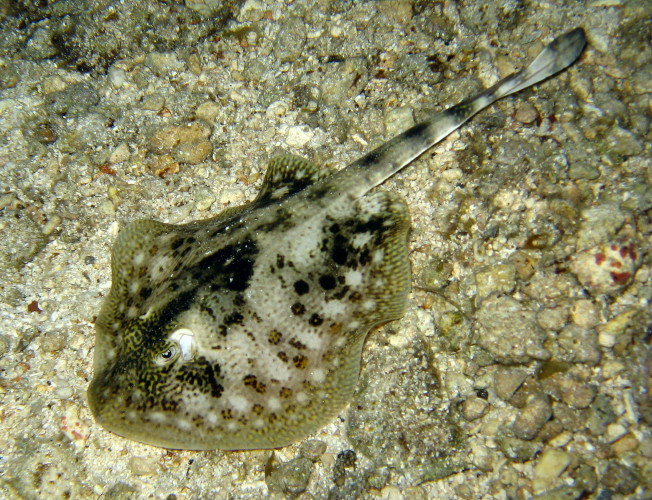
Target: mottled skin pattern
(245, 331)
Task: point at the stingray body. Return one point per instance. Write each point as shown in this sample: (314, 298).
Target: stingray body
(245, 331)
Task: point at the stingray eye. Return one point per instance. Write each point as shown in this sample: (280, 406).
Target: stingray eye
(168, 355)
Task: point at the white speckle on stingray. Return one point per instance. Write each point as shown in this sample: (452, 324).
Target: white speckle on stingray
(369, 304)
(333, 308)
(274, 404)
(378, 256)
(318, 375)
(239, 403)
(353, 277)
(360, 240)
(259, 423)
(158, 417)
(301, 397)
(139, 258)
(184, 424)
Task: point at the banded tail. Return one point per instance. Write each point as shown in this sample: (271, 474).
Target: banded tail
(383, 162)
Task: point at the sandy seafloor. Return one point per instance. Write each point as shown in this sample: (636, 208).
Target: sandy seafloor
(521, 368)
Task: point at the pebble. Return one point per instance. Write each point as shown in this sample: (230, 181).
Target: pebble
(186, 143)
(344, 80)
(610, 332)
(525, 112)
(599, 225)
(517, 450)
(290, 478)
(625, 444)
(608, 268)
(154, 102)
(298, 136)
(507, 381)
(162, 63)
(567, 388)
(205, 8)
(163, 165)
(312, 449)
(584, 313)
(142, 466)
(120, 153)
(579, 345)
(550, 466)
(474, 408)
(290, 40)
(532, 418)
(193, 152)
(117, 76)
(620, 478)
(622, 141)
(204, 199)
(398, 11)
(207, 112)
(553, 318)
(509, 331)
(499, 278)
(614, 432)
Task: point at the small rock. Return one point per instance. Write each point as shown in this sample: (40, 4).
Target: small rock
(163, 165)
(193, 152)
(610, 332)
(646, 447)
(607, 269)
(623, 142)
(549, 467)
(205, 8)
(620, 478)
(614, 432)
(162, 63)
(313, 449)
(344, 80)
(509, 331)
(568, 389)
(290, 478)
(142, 466)
(526, 113)
(499, 278)
(290, 40)
(585, 478)
(625, 444)
(598, 225)
(554, 318)
(398, 11)
(474, 407)
(154, 102)
(120, 153)
(584, 313)
(207, 111)
(517, 450)
(579, 345)
(507, 381)
(298, 136)
(532, 418)
(117, 76)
